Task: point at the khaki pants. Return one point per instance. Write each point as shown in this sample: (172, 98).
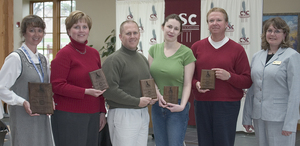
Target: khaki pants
(128, 127)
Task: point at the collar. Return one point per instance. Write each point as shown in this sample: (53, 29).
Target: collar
(128, 51)
(275, 57)
(34, 56)
(219, 44)
(77, 45)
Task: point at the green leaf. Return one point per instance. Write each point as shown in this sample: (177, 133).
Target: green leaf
(110, 42)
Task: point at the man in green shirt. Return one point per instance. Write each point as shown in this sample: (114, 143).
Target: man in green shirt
(128, 117)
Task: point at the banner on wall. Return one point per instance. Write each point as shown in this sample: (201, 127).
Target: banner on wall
(189, 12)
(149, 16)
(244, 24)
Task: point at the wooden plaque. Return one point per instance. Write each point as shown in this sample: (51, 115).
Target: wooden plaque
(40, 98)
(98, 80)
(208, 78)
(148, 88)
(171, 94)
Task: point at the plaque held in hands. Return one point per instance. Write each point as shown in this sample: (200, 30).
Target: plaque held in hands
(148, 88)
(98, 80)
(40, 98)
(171, 94)
(208, 78)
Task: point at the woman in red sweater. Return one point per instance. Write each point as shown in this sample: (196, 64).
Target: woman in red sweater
(217, 110)
(80, 110)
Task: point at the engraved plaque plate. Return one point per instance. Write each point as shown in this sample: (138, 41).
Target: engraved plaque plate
(148, 88)
(208, 78)
(40, 98)
(171, 94)
(98, 80)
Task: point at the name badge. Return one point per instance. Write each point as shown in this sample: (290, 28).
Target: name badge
(277, 62)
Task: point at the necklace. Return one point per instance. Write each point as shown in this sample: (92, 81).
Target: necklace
(78, 50)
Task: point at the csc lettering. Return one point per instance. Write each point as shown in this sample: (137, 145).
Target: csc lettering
(244, 39)
(244, 13)
(183, 17)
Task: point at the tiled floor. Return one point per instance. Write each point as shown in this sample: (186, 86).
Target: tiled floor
(241, 139)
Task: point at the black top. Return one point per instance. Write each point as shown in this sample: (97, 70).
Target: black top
(269, 57)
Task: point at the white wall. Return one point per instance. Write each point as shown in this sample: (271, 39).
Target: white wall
(21, 9)
(103, 14)
(281, 6)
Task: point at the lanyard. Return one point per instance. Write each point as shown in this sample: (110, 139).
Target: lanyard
(37, 70)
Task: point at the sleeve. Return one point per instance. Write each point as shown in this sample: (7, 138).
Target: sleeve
(189, 57)
(241, 77)
(293, 83)
(102, 100)
(112, 70)
(247, 112)
(194, 80)
(151, 51)
(9, 73)
(60, 69)
(102, 104)
(48, 68)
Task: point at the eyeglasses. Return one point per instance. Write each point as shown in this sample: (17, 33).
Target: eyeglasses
(276, 31)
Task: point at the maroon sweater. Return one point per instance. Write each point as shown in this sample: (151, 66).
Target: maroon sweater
(70, 77)
(231, 57)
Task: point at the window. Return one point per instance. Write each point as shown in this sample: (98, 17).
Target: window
(66, 7)
(54, 14)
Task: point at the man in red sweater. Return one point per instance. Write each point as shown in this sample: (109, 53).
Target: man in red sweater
(217, 110)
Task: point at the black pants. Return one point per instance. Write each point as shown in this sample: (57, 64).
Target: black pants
(104, 139)
(75, 129)
(216, 122)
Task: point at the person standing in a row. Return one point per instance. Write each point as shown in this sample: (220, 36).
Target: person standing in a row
(217, 110)
(128, 117)
(25, 65)
(272, 102)
(171, 64)
(80, 110)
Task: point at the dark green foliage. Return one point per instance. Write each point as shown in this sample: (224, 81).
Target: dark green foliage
(110, 47)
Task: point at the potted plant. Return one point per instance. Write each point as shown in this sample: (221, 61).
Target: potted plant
(110, 42)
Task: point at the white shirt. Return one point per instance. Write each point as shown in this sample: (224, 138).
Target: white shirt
(9, 73)
(219, 44)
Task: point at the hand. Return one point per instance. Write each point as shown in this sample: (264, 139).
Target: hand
(248, 128)
(102, 122)
(144, 101)
(286, 133)
(161, 102)
(175, 107)
(26, 106)
(221, 74)
(94, 92)
(153, 101)
(198, 86)
(53, 103)
(245, 92)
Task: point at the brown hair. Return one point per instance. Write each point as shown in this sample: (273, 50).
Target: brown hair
(277, 23)
(173, 16)
(76, 16)
(217, 9)
(127, 21)
(31, 21)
